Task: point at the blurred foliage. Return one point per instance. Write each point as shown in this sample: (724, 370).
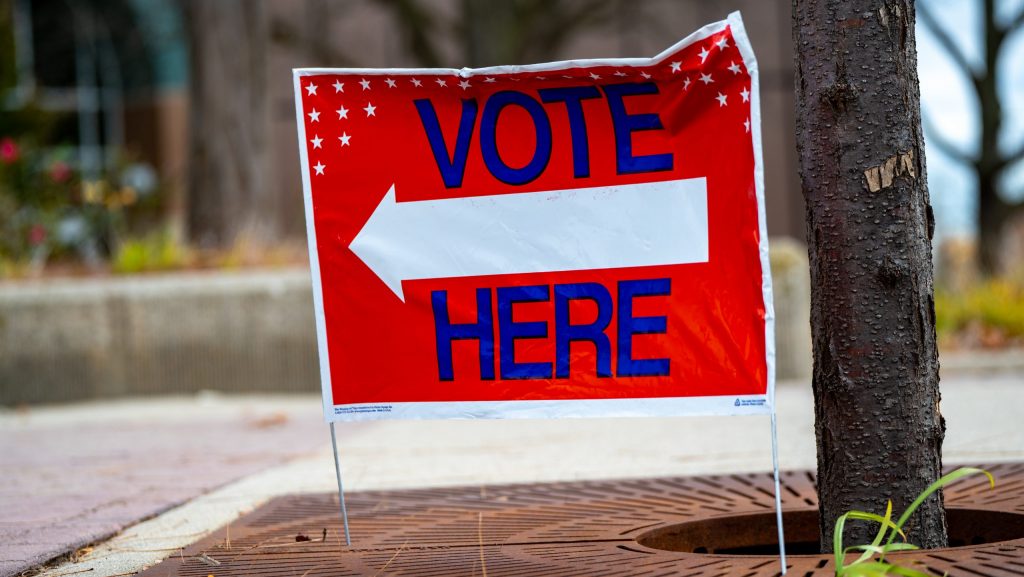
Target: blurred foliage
(156, 251)
(988, 314)
(784, 255)
(246, 252)
(48, 211)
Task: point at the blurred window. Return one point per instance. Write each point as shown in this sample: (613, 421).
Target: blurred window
(82, 59)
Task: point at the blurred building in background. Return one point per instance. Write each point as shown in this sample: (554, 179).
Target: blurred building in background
(113, 73)
(140, 135)
(457, 33)
(117, 74)
(198, 93)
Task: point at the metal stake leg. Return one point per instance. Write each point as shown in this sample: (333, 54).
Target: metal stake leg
(341, 491)
(778, 495)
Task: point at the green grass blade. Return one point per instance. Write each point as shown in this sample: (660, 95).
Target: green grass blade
(886, 523)
(837, 541)
(882, 526)
(861, 571)
(942, 482)
(882, 550)
(882, 530)
(880, 568)
(890, 569)
(864, 566)
(898, 547)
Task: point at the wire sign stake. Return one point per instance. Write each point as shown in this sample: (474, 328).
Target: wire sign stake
(341, 489)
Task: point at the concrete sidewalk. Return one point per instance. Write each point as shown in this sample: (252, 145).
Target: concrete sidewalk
(982, 413)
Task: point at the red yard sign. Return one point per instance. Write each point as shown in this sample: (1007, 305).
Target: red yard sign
(580, 238)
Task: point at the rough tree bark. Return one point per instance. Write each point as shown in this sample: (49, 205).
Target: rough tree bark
(869, 229)
(229, 193)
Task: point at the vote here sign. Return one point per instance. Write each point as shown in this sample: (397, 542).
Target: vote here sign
(581, 238)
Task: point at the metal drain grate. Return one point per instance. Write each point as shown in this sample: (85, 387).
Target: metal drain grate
(560, 529)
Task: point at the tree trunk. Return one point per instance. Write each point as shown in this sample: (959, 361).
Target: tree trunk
(491, 32)
(991, 209)
(869, 228)
(993, 213)
(229, 193)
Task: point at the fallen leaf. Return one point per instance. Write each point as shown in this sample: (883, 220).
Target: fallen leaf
(270, 421)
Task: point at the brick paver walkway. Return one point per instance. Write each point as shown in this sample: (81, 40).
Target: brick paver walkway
(72, 477)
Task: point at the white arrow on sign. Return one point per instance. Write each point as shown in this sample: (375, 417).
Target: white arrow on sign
(629, 225)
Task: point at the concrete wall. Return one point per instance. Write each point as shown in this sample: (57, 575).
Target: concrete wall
(73, 339)
(792, 285)
(78, 339)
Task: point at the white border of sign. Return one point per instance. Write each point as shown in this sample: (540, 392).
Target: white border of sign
(673, 406)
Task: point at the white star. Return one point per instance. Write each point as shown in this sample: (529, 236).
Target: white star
(706, 78)
(339, 86)
(370, 110)
(746, 124)
(745, 94)
(342, 112)
(344, 138)
(390, 83)
(316, 141)
(722, 43)
(319, 167)
(735, 68)
(416, 82)
(619, 73)
(365, 84)
(676, 67)
(645, 75)
(441, 82)
(314, 116)
(489, 80)
(686, 83)
(310, 89)
(464, 84)
(721, 99)
(595, 76)
(703, 54)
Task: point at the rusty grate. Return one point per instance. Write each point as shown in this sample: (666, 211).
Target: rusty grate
(592, 528)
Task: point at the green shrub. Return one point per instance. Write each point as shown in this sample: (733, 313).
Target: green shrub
(996, 304)
(154, 252)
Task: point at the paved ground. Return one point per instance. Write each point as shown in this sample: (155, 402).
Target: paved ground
(46, 455)
(73, 475)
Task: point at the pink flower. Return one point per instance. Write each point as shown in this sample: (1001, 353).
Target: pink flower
(60, 172)
(8, 150)
(37, 235)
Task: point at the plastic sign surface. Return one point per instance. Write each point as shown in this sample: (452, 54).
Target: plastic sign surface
(581, 238)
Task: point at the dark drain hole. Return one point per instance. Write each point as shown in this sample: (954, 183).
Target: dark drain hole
(755, 534)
